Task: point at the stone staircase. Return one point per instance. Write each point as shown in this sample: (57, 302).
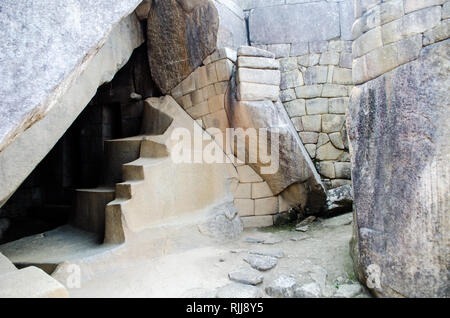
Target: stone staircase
(145, 198)
(30, 282)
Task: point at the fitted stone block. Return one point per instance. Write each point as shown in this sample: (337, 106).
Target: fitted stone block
(332, 122)
(256, 92)
(254, 51)
(309, 91)
(291, 79)
(247, 174)
(295, 108)
(266, 206)
(245, 207)
(261, 190)
(269, 77)
(312, 123)
(243, 191)
(224, 68)
(258, 62)
(316, 106)
(328, 152)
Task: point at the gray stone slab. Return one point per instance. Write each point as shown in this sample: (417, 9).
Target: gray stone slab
(45, 45)
(294, 23)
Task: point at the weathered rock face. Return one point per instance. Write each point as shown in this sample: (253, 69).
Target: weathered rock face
(181, 34)
(399, 125)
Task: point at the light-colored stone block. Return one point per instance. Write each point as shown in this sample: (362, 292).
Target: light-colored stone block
(329, 58)
(391, 10)
(261, 190)
(297, 122)
(287, 95)
(338, 105)
(288, 64)
(243, 191)
(269, 77)
(254, 51)
(211, 73)
(221, 87)
(326, 168)
(316, 106)
(280, 50)
(266, 206)
(332, 122)
(291, 79)
(334, 90)
(258, 62)
(316, 75)
(343, 170)
(30, 282)
(309, 137)
(200, 77)
(367, 42)
(256, 92)
(311, 149)
(224, 69)
(438, 33)
(309, 91)
(336, 140)
(414, 5)
(199, 110)
(245, 207)
(312, 123)
(188, 85)
(216, 103)
(328, 152)
(247, 174)
(422, 20)
(342, 76)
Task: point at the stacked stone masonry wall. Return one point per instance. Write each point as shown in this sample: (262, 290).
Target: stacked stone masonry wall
(391, 33)
(316, 78)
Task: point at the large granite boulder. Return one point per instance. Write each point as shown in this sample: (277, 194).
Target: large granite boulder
(399, 128)
(181, 34)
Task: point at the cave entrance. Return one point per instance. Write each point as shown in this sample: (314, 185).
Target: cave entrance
(50, 214)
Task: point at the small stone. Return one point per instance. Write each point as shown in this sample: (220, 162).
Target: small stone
(302, 228)
(272, 241)
(253, 240)
(312, 123)
(281, 287)
(258, 62)
(311, 290)
(272, 253)
(236, 290)
(254, 51)
(260, 262)
(348, 290)
(300, 238)
(336, 140)
(295, 107)
(246, 276)
(307, 221)
(341, 220)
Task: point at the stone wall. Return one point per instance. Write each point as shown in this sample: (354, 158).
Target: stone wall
(312, 41)
(398, 123)
(202, 95)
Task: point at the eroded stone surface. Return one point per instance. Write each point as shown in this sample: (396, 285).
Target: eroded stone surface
(261, 262)
(398, 128)
(40, 61)
(180, 36)
(246, 276)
